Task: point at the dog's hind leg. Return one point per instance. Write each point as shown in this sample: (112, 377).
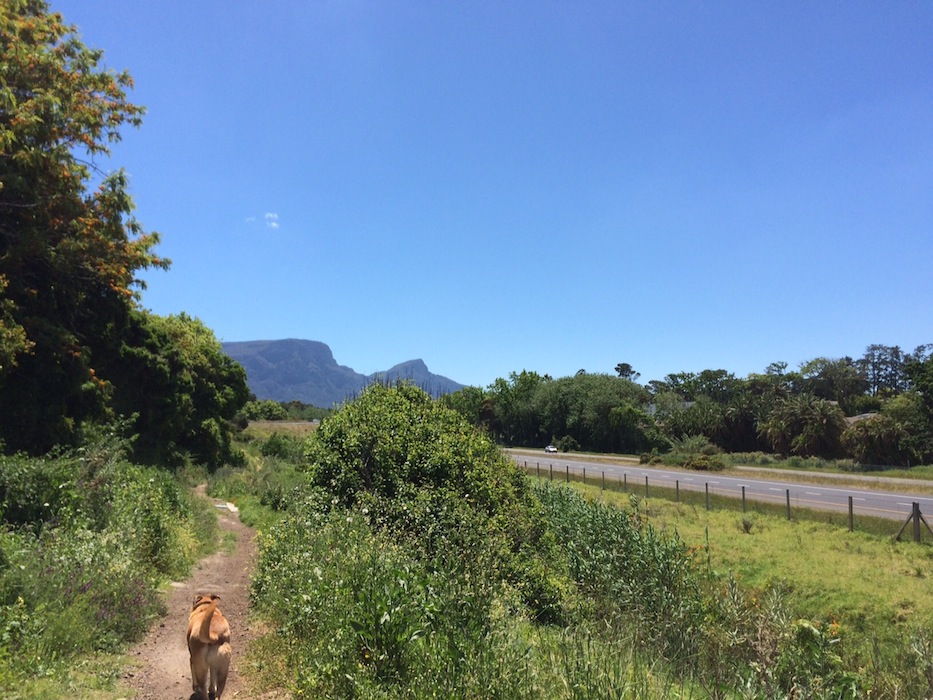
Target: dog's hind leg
(199, 678)
(220, 666)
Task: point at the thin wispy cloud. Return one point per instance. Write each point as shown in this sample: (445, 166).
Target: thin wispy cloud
(270, 219)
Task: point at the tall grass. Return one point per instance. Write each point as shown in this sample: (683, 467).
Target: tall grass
(367, 617)
(857, 602)
(86, 539)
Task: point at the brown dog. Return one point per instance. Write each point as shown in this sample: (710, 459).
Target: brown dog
(209, 644)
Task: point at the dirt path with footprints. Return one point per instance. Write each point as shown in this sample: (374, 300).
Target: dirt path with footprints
(161, 670)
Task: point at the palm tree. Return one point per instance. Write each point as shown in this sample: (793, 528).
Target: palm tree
(805, 425)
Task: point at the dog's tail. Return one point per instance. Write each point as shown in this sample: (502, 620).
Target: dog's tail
(204, 632)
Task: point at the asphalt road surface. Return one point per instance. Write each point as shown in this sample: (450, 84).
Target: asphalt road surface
(869, 498)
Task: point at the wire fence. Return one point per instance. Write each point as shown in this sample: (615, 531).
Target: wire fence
(706, 497)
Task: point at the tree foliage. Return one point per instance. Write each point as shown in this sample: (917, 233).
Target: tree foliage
(70, 252)
(172, 374)
(75, 348)
(800, 412)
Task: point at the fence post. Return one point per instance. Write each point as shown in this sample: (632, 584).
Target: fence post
(646, 487)
(567, 469)
(584, 476)
(743, 499)
(788, 504)
(916, 516)
(677, 487)
(707, 495)
(851, 520)
(625, 483)
(538, 467)
(603, 487)
(551, 470)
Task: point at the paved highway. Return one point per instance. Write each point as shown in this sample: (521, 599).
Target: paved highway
(870, 500)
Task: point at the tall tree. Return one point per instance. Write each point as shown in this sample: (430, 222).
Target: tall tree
(885, 369)
(70, 252)
(172, 374)
(834, 380)
(805, 425)
(625, 371)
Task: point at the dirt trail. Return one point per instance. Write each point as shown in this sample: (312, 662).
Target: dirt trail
(162, 670)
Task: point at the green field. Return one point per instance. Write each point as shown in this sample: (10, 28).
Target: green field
(874, 589)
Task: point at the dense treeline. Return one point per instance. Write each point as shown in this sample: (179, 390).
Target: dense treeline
(876, 410)
(76, 348)
(267, 409)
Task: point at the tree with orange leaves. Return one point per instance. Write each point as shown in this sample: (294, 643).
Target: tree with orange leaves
(70, 249)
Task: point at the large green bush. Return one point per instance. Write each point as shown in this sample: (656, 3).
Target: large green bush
(432, 478)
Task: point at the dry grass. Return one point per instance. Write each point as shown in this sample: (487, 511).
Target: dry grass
(262, 429)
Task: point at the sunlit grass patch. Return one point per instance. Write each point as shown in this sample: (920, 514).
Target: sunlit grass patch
(263, 429)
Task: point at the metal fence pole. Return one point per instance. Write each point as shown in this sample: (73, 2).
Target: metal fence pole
(567, 469)
(851, 519)
(707, 495)
(646, 487)
(788, 504)
(743, 499)
(603, 488)
(677, 488)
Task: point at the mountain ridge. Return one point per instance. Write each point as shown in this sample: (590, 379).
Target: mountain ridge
(294, 369)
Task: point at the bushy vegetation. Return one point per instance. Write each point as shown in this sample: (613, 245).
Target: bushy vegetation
(399, 568)
(76, 348)
(86, 539)
(432, 479)
(691, 452)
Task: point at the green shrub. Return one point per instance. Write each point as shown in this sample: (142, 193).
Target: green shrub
(703, 462)
(283, 447)
(429, 475)
(33, 491)
(356, 601)
(87, 537)
(567, 444)
(264, 410)
(364, 615)
(693, 445)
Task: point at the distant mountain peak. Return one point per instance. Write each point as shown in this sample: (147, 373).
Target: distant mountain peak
(305, 370)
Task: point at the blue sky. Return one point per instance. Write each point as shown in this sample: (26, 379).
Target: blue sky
(550, 186)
